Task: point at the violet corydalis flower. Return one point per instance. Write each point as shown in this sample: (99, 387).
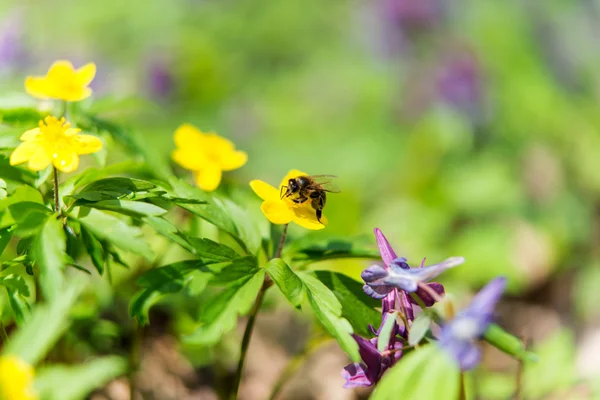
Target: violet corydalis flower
(459, 335)
(379, 281)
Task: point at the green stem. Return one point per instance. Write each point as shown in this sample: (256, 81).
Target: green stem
(252, 319)
(56, 199)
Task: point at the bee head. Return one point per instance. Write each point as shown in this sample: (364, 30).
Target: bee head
(293, 186)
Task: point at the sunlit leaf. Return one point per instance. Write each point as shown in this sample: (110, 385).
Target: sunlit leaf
(288, 282)
(419, 328)
(49, 253)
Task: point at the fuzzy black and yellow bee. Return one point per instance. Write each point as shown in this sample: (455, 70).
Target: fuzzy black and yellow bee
(310, 187)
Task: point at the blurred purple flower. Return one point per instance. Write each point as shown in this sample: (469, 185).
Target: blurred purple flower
(459, 335)
(160, 80)
(459, 82)
(12, 51)
(413, 14)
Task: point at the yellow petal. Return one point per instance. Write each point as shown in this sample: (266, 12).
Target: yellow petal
(76, 94)
(37, 87)
(23, 152)
(188, 136)
(66, 160)
(39, 160)
(306, 217)
(190, 159)
(277, 211)
(86, 144)
(233, 160)
(30, 134)
(61, 71)
(209, 177)
(85, 74)
(217, 144)
(292, 174)
(264, 190)
(72, 131)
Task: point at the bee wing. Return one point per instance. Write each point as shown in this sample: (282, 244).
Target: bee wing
(325, 182)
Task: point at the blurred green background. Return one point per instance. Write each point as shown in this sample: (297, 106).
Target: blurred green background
(458, 127)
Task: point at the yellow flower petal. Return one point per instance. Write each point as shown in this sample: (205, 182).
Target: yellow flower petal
(277, 211)
(16, 379)
(189, 159)
(209, 177)
(30, 134)
(86, 144)
(37, 87)
(23, 153)
(188, 136)
(74, 95)
(264, 190)
(292, 174)
(39, 160)
(61, 71)
(233, 160)
(66, 160)
(85, 75)
(306, 217)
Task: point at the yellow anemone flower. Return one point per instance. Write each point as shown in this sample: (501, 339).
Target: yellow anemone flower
(16, 379)
(206, 154)
(62, 82)
(283, 211)
(54, 141)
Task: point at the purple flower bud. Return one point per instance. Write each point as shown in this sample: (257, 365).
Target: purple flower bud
(459, 335)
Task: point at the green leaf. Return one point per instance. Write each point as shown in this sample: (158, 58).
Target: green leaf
(47, 323)
(17, 290)
(3, 192)
(15, 174)
(28, 216)
(164, 280)
(24, 117)
(512, 345)
(219, 314)
(48, 252)
(328, 311)
(127, 207)
(112, 188)
(419, 328)
(58, 383)
(114, 230)
(209, 250)
(119, 134)
(169, 231)
(21, 194)
(5, 236)
(425, 373)
(288, 282)
(316, 249)
(357, 307)
(94, 249)
(385, 333)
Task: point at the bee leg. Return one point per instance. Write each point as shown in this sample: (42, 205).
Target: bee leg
(281, 193)
(319, 214)
(300, 200)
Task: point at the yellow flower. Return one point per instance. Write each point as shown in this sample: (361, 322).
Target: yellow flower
(62, 82)
(54, 141)
(16, 379)
(283, 211)
(206, 154)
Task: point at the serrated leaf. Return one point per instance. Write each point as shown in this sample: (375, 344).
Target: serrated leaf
(425, 373)
(288, 282)
(127, 207)
(219, 314)
(210, 250)
(48, 250)
(114, 230)
(46, 324)
(168, 230)
(112, 188)
(164, 280)
(94, 249)
(328, 311)
(419, 328)
(315, 249)
(357, 307)
(56, 382)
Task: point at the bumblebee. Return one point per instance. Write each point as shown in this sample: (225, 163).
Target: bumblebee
(310, 187)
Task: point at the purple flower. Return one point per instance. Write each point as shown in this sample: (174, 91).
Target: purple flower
(161, 81)
(460, 334)
(380, 281)
(459, 82)
(374, 363)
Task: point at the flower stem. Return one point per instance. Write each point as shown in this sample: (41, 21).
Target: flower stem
(252, 319)
(56, 200)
